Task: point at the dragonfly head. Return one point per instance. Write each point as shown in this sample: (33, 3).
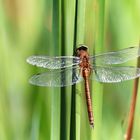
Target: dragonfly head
(81, 49)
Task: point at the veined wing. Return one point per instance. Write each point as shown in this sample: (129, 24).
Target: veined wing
(115, 74)
(117, 57)
(53, 62)
(57, 78)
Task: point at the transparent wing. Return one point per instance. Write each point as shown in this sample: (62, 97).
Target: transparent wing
(115, 74)
(53, 62)
(117, 57)
(57, 78)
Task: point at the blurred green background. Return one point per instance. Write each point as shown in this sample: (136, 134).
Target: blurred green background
(55, 27)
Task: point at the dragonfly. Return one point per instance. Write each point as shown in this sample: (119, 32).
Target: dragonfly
(64, 71)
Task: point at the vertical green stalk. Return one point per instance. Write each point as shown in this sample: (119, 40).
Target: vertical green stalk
(36, 119)
(73, 98)
(79, 33)
(63, 120)
(98, 88)
(56, 97)
(80, 24)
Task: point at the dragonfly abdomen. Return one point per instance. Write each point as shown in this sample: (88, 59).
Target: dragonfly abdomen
(88, 97)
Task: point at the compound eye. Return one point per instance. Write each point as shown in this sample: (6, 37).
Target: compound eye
(82, 47)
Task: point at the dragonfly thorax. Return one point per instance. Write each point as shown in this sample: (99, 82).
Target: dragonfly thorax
(84, 62)
(85, 67)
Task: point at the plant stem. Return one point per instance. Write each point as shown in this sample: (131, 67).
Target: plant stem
(129, 131)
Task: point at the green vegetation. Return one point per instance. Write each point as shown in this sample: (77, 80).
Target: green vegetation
(55, 28)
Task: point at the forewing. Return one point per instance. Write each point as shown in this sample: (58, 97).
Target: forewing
(53, 62)
(117, 57)
(57, 78)
(115, 74)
